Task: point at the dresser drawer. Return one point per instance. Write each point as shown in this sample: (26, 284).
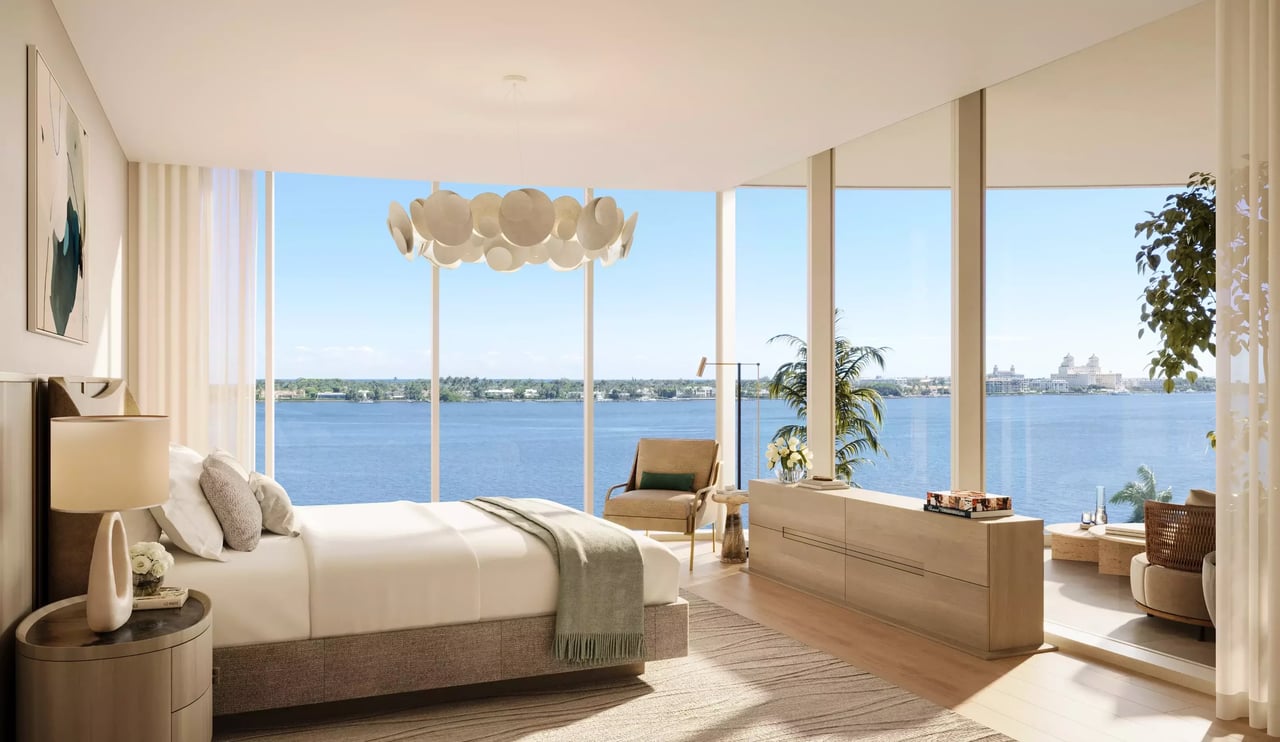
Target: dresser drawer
(195, 722)
(944, 544)
(192, 669)
(804, 565)
(934, 604)
(819, 514)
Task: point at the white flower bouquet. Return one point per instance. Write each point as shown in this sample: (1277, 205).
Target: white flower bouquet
(149, 562)
(790, 457)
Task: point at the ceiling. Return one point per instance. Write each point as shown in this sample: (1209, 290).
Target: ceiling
(1100, 117)
(661, 94)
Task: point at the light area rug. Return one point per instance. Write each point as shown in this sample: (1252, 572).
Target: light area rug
(741, 681)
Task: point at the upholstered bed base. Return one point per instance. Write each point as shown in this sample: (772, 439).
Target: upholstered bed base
(257, 677)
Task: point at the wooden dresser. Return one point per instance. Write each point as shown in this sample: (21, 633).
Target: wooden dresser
(977, 585)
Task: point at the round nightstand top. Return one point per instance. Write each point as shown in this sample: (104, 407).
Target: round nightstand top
(732, 497)
(60, 631)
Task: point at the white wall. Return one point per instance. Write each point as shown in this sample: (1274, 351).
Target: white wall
(24, 22)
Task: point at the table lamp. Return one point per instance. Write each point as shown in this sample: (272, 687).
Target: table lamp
(105, 465)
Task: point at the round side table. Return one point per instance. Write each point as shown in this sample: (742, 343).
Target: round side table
(733, 549)
(1070, 542)
(150, 679)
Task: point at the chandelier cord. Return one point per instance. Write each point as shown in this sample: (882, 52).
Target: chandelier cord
(516, 123)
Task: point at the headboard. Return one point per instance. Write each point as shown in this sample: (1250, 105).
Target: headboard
(68, 543)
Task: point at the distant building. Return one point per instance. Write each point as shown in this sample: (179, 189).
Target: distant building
(330, 395)
(531, 394)
(1088, 375)
(500, 393)
(703, 392)
(1005, 382)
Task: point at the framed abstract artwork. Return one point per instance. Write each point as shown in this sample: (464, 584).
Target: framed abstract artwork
(57, 220)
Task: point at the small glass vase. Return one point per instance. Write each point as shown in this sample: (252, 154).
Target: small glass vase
(145, 585)
(790, 476)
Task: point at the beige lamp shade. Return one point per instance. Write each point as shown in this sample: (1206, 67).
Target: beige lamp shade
(103, 464)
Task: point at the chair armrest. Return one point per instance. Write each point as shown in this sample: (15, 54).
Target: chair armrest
(609, 493)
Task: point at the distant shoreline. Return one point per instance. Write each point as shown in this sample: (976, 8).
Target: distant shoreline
(712, 399)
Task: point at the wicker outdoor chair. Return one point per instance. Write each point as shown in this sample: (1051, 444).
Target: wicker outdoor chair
(1166, 579)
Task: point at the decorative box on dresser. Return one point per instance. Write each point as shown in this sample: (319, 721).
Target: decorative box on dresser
(975, 584)
(148, 681)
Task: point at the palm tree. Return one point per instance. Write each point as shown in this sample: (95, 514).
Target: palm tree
(1137, 492)
(859, 409)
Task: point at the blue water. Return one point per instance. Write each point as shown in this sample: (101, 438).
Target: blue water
(1048, 452)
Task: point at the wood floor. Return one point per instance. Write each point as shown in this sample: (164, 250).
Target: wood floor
(1050, 696)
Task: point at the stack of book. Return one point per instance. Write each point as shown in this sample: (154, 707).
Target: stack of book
(968, 504)
(168, 597)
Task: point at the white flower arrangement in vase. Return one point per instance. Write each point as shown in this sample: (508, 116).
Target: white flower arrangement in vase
(149, 562)
(789, 458)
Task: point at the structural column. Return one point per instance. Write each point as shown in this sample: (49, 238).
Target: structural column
(435, 375)
(726, 308)
(269, 330)
(588, 379)
(968, 292)
(821, 422)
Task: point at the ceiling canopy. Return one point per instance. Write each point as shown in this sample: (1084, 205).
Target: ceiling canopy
(1137, 109)
(662, 94)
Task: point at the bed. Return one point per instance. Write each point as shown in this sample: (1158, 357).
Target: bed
(371, 599)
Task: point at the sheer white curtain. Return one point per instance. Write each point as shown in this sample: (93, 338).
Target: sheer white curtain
(192, 252)
(1248, 538)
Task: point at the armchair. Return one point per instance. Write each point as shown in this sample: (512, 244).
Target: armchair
(1166, 579)
(675, 511)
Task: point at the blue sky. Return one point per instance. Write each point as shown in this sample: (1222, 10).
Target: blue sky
(1060, 279)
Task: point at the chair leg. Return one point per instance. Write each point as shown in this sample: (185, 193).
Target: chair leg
(713, 538)
(692, 533)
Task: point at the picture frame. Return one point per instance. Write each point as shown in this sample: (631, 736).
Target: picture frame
(57, 218)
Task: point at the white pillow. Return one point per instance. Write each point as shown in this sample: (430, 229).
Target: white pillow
(277, 508)
(187, 517)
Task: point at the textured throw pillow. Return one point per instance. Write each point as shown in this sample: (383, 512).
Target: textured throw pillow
(231, 461)
(234, 504)
(277, 509)
(187, 517)
(652, 480)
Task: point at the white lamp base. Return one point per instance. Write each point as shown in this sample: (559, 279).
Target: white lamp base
(110, 600)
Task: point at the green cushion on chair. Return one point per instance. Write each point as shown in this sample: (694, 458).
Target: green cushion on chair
(651, 480)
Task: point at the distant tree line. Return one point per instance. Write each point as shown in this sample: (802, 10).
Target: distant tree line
(473, 388)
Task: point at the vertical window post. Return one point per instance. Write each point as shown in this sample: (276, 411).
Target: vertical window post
(968, 293)
(588, 379)
(435, 375)
(269, 331)
(821, 420)
(726, 394)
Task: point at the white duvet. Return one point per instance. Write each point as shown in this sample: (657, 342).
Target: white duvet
(385, 566)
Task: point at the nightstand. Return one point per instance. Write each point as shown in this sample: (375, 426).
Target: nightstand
(148, 681)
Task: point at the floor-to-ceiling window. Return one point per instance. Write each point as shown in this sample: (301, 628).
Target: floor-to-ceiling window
(511, 377)
(352, 345)
(1075, 158)
(772, 234)
(654, 318)
(893, 296)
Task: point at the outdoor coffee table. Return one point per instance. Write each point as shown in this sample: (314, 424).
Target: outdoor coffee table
(1117, 550)
(1070, 542)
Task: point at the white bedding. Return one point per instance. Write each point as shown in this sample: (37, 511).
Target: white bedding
(385, 566)
(259, 596)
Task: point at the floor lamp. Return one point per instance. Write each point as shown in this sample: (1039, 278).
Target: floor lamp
(702, 367)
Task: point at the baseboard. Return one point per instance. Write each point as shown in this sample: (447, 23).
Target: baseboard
(1159, 665)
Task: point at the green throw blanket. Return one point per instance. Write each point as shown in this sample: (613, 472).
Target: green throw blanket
(600, 609)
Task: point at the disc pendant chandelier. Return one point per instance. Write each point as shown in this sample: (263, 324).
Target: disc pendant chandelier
(508, 232)
(524, 227)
